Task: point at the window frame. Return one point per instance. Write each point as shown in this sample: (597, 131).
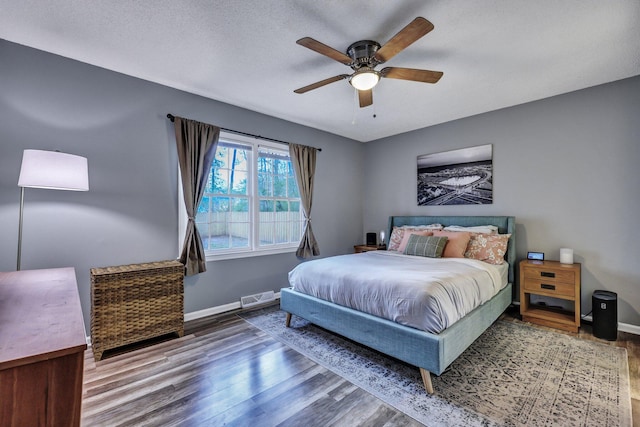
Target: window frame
(253, 250)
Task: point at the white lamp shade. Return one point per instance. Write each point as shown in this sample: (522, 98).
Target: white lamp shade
(53, 170)
(364, 79)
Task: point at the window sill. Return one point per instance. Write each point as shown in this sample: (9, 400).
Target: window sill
(237, 255)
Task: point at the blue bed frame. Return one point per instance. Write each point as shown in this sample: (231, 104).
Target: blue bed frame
(432, 353)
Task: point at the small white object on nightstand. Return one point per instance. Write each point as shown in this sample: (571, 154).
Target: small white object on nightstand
(566, 256)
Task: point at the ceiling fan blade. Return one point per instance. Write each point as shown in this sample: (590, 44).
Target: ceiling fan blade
(321, 83)
(409, 34)
(365, 97)
(325, 50)
(425, 76)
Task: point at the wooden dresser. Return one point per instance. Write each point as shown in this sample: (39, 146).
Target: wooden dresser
(555, 280)
(42, 344)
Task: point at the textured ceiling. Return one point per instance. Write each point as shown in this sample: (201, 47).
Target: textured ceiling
(494, 54)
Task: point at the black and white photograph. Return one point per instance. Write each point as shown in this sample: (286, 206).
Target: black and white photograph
(456, 177)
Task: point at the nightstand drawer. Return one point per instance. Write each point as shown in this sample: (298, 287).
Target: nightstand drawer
(550, 275)
(549, 287)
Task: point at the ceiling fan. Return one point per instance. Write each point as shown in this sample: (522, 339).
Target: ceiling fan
(364, 55)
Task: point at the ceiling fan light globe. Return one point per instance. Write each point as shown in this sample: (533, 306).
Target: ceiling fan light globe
(364, 80)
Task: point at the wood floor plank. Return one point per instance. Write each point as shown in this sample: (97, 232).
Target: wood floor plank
(236, 370)
(223, 371)
(278, 409)
(250, 409)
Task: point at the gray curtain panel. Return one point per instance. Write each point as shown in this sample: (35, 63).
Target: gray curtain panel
(303, 159)
(196, 143)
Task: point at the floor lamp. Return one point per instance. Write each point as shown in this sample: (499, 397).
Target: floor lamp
(51, 170)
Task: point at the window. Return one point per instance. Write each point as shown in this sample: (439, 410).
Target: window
(251, 205)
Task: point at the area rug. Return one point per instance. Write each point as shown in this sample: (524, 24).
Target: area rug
(513, 375)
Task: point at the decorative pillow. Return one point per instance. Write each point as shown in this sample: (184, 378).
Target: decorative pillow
(398, 233)
(395, 238)
(427, 246)
(407, 234)
(485, 229)
(489, 248)
(457, 243)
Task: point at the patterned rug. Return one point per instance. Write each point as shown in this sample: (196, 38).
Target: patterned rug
(513, 375)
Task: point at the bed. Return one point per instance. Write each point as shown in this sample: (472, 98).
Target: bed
(432, 353)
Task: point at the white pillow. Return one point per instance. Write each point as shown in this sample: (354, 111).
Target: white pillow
(485, 229)
(426, 227)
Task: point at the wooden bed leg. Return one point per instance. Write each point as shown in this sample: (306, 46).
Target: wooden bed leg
(426, 379)
(287, 322)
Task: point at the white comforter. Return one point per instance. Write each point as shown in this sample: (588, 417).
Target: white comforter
(425, 293)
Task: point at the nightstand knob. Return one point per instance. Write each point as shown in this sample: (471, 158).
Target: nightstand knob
(547, 274)
(550, 287)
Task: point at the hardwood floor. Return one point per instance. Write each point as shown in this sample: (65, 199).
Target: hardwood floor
(226, 372)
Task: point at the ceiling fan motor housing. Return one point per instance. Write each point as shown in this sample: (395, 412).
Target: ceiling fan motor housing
(361, 52)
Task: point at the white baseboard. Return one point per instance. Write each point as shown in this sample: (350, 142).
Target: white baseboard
(211, 311)
(623, 327)
(216, 310)
(626, 327)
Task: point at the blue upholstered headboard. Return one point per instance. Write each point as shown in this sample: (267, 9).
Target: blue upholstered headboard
(505, 224)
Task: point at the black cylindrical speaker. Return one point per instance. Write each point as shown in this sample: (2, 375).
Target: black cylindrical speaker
(371, 239)
(605, 315)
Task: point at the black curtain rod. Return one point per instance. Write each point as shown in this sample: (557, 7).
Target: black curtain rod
(172, 118)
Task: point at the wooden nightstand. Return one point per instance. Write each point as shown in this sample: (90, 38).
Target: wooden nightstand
(551, 279)
(366, 248)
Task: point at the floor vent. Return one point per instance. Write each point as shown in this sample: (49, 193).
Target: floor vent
(261, 298)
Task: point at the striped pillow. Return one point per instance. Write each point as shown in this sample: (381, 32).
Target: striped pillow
(427, 246)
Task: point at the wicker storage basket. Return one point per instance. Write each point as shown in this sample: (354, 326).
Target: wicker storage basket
(131, 303)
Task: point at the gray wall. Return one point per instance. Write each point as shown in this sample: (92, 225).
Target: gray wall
(130, 213)
(566, 167)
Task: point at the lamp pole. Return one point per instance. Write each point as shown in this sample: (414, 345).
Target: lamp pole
(20, 228)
